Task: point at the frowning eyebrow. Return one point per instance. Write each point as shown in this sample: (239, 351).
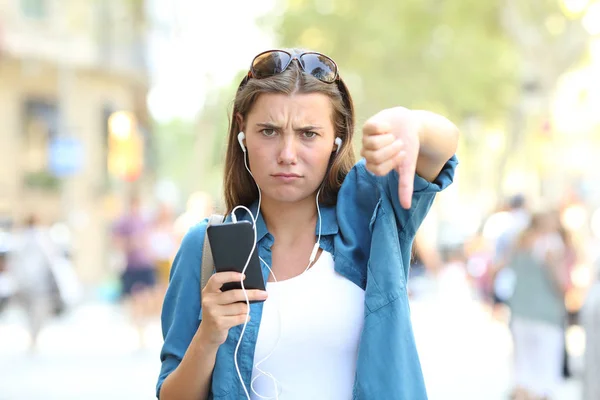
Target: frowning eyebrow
(267, 126)
(277, 127)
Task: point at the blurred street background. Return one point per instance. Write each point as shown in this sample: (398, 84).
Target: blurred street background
(114, 115)
(94, 353)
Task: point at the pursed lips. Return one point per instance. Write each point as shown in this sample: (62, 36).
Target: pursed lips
(286, 177)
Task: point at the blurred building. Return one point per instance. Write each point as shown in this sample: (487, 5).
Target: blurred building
(66, 66)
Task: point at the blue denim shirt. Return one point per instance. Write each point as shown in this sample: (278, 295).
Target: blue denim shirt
(370, 237)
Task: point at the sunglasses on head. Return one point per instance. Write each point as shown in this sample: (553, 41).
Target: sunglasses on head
(273, 62)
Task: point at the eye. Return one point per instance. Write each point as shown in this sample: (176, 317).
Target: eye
(310, 134)
(268, 132)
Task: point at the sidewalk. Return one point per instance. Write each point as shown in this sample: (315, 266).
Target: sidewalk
(465, 354)
(93, 353)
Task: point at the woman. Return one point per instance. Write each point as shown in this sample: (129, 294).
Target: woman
(344, 328)
(537, 309)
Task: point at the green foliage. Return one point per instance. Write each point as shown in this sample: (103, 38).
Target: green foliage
(175, 141)
(470, 60)
(192, 153)
(216, 115)
(448, 56)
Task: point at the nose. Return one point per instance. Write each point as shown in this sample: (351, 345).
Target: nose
(287, 153)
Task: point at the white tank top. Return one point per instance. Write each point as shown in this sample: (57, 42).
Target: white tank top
(322, 315)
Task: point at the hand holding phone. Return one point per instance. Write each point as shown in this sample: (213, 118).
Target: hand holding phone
(222, 310)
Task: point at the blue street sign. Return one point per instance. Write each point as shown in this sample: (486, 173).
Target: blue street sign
(65, 156)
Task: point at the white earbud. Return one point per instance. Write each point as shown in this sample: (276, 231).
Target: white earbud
(241, 137)
(338, 142)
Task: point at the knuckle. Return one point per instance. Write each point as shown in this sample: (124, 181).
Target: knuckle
(220, 325)
(235, 295)
(212, 312)
(214, 278)
(369, 142)
(225, 297)
(206, 301)
(374, 144)
(239, 297)
(378, 157)
(243, 298)
(372, 167)
(368, 126)
(208, 289)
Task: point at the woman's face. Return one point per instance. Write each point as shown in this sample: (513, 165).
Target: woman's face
(290, 140)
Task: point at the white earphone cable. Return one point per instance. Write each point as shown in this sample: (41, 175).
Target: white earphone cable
(277, 388)
(237, 347)
(311, 260)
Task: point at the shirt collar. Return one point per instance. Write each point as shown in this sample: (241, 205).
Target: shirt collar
(329, 225)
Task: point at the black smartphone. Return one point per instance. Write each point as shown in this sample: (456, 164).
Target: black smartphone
(231, 244)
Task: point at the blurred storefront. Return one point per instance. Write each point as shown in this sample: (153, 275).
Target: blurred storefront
(65, 68)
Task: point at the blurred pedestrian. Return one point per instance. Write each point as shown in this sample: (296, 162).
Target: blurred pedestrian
(537, 309)
(7, 285)
(591, 324)
(569, 260)
(30, 266)
(163, 246)
(479, 266)
(518, 218)
(138, 280)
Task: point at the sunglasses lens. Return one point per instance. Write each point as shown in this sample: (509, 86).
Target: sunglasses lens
(319, 66)
(269, 64)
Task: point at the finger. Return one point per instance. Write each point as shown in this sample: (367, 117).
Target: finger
(406, 174)
(233, 296)
(228, 322)
(376, 142)
(233, 309)
(217, 280)
(385, 167)
(375, 126)
(384, 154)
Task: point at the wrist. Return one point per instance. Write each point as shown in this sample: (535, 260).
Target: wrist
(204, 342)
(419, 119)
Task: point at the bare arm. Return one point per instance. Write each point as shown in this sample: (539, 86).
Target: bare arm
(438, 138)
(191, 379)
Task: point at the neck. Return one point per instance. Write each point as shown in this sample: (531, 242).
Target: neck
(290, 221)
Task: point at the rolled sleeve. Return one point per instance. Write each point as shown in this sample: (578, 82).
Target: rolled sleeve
(424, 192)
(180, 316)
(443, 180)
